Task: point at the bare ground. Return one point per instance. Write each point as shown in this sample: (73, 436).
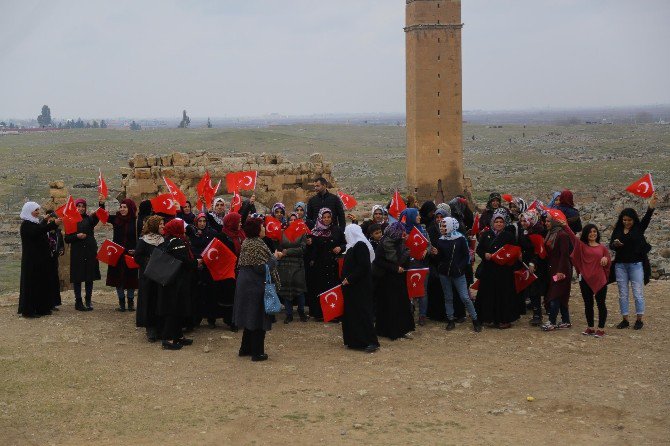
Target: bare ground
(84, 378)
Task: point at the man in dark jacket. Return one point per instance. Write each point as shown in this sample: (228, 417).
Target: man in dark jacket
(324, 199)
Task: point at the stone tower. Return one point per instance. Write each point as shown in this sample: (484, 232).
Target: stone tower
(434, 105)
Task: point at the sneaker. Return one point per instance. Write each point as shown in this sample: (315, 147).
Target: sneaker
(599, 334)
(565, 325)
(548, 327)
(171, 345)
(450, 325)
(589, 332)
(638, 325)
(623, 324)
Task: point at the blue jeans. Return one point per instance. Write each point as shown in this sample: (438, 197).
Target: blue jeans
(423, 301)
(288, 305)
(121, 295)
(462, 288)
(633, 273)
(554, 307)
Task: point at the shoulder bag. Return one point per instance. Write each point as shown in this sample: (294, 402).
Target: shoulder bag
(270, 298)
(162, 268)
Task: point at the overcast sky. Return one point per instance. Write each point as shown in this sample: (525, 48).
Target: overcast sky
(142, 58)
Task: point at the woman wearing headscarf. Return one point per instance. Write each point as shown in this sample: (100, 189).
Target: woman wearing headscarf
(291, 269)
(278, 211)
(496, 299)
(327, 243)
(186, 213)
(435, 309)
(84, 267)
(532, 225)
(454, 258)
(232, 236)
(249, 308)
(300, 210)
(427, 213)
(567, 206)
(248, 208)
(147, 293)
(216, 215)
(56, 249)
(393, 308)
(631, 264)
(462, 213)
(554, 201)
(559, 271)
(358, 330)
(121, 277)
(492, 205)
(175, 299)
(35, 299)
(377, 218)
(144, 210)
(517, 207)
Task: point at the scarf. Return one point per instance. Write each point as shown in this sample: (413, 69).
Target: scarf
(425, 211)
(521, 204)
(444, 207)
(394, 231)
(552, 202)
(255, 252)
(320, 228)
(153, 238)
(501, 213)
(354, 234)
(552, 235)
(458, 205)
(27, 212)
(175, 228)
(301, 205)
(231, 227)
(375, 208)
(122, 220)
(532, 217)
(449, 229)
(218, 218)
(493, 196)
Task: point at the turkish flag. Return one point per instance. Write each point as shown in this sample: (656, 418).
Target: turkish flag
(272, 228)
(538, 244)
(165, 204)
(523, 278)
(177, 194)
(110, 252)
(348, 201)
(241, 180)
(475, 286)
(332, 303)
(416, 243)
(415, 282)
(220, 260)
(340, 266)
(507, 197)
(69, 210)
(644, 187)
(130, 262)
(397, 205)
(557, 215)
(102, 215)
(102, 185)
(206, 190)
(536, 204)
(70, 225)
(236, 202)
(295, 229)
(507, 255)
(475, 225)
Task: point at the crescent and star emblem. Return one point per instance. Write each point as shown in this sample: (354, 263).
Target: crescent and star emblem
(271, 226)
(213, 251)
(325, 298)
(411, 279)
(246, 180)
(111, 250)
(646, 187)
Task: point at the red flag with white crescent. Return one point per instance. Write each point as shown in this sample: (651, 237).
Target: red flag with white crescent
(241, 180)
(332, 303)
(69, 210)
(644, 187)
(397, 205)
(538, 245)
(165, 204)
(272, 228)
(110, 252)
(70, 225)
(205, 189)
(177, 194)
(130, 262)
(236, 202)
(102, 215)
(348, 201)
(475, 225)
(507, 255)
(219, 259)
(102, 185)
(416, 278)
(523, 278)
(416, 243)
(296, 229)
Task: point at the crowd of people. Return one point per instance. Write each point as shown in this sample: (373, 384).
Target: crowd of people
(368, 258)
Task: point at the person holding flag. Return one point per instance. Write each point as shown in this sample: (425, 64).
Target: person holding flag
(559, 270)
(631, 261)
(186, 213)
(567, 206)
(493, 204)
(278, 211)
(291, 269)
(496, 302)
(84, 267)
(216, 215)
(534, 255)
(454, 259)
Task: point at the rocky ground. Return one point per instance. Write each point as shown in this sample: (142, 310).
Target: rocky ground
(84, 378)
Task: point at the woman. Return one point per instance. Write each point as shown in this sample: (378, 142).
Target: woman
(496, 302)
(232, 236)
(534, 256)
(377, 218)
(492, 205)
(592, 261)
(292, 273)
(435, 309)
(461, 212)
(327, 242)
(175, 299)
(567, 206)
(35, 299)
(248, 208)
(631, 249)
(144, 210)
(358, 330)
(216, 215)
(121, 277)
(186, 213)
(517, 207)
(555, 200)
(147, 294)
(427, 213)
(279, 212)
(249, 308)
(559, 271)
(232, 228)
(56, 250)
(392, 305)
(84, 265)
(454, 258)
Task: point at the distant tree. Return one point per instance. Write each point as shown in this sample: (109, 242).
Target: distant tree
(185, 121)
(45, 118)
(103, 124)
(3, 124)
(95, 124)
(11, 125)
(79, 124)
(135, 126)
(60, 125)
(209, 124)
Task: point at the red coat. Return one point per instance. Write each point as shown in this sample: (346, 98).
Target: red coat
(558, 261)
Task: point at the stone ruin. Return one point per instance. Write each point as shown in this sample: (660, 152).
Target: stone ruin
(279, 180)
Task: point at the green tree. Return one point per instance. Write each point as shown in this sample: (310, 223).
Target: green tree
(103, 124)
(135, 126)
(95, 124)
(45, 118)
(209, 124)
(185, 121)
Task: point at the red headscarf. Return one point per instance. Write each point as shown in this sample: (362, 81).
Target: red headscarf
(132, 212)
(566, 199)
(175, 228)
(231, 227)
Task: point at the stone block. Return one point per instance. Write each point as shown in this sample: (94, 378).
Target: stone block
(138, 160)
(180, 159)
(156, 171)
(143, 172)
(58, 193)
(152, 160)
(57, 184)
(316, 158)
(125, 171)
(166, 160)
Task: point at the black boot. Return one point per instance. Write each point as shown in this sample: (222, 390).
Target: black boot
(122, 304)
(78, 305)
(476, 325)
(89, 306)
(131, 304)
(303, 316)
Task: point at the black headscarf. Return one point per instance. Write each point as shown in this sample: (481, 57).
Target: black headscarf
(427, 212)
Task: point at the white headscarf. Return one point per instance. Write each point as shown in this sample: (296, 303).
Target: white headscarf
(449, 229)
(27, 212)
(354, 234)
(375, 208)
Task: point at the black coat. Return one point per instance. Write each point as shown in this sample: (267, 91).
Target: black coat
(330, 201)
(496, 299)
(249, 307)
(358, 329)
(57, 249)
(120, 276)
(322, 273)
(147, 294)
(176, 299)
(36, 264)
(84, 265)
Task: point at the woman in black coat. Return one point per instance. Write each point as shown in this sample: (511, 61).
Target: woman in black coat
(358, 330)
(34, 298)
(121, 277)
(84, 265)
(147, 293)
(56, 249)
(327, 242)
(392, 305)
(534, 255)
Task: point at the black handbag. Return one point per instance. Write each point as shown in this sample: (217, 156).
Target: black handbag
(162, 268)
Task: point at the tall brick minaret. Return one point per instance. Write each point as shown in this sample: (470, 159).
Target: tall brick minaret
(434, 104)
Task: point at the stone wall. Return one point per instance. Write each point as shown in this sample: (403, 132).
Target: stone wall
(278, 179)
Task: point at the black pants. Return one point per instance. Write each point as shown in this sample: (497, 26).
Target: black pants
(554, 307)
(253, 342)
(172, 327)
(88, 288)
(587, 294)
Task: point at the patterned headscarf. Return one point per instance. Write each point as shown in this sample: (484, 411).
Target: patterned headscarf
(449, 229)
(501, 213)
(444, 207)
(218, 217)
(532, 217)
(394, 231)
(320, 228)
(521, 204)
(279, 205)
(377, 207)
(458, 205)
(300, 204)
(493, 196)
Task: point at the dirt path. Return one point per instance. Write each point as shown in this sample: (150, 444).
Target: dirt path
(83, 378)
